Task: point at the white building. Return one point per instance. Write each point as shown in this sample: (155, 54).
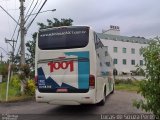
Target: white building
(125, 51)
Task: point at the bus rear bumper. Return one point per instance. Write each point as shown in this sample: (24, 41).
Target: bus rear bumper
(66, 98)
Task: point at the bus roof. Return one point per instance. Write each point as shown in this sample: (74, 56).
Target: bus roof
(41, 30)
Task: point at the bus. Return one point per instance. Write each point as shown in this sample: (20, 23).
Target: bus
(72, 67)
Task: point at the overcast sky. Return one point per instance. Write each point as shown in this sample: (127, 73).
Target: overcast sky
(134, 17)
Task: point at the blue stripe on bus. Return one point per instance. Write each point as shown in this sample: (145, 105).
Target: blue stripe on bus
(83, 69)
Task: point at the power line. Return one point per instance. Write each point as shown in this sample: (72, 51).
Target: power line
(18, 49)
(33, 20)
(4, 50)
(22, 29)
(13, 9)
(17, 26)
(38, 5)
(9, 28)
(15, 29)
(9, 14)
(27, 17)
(16, 40)
(14, 34)
(36, 15)
(25, 22)
(14, 20)
(30, 7)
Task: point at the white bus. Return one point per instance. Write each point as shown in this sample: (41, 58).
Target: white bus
(72, 67)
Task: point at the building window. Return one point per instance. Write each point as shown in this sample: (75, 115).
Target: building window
(124, 50)
(115, 61)
(108, 64)
(132, 62)
(115, 49)
(141, 62)
(124, 62)
(100, 64)
(132, 50)
(106, 53)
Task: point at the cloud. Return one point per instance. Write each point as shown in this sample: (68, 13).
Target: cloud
(135, 18)
(99, 13)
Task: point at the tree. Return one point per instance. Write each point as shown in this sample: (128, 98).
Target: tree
(139, 71)
(56, 23)
(31, 44)
(150, 88)
(4, 70)
(31, 49)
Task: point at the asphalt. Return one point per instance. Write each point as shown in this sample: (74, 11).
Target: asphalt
(117, 105)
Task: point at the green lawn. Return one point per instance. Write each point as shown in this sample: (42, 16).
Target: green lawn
(127, 86)
(14, 94)
(11, 94)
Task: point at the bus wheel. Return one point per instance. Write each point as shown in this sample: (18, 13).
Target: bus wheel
(112, 90)
(103, 101)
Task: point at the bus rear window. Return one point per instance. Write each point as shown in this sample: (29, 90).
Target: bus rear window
(63, 38)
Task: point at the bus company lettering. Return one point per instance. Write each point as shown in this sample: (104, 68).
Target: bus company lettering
(61, 65)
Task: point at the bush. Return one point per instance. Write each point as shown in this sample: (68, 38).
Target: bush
(30, 87)
(150, 88)
(16, 82)
(25, 71)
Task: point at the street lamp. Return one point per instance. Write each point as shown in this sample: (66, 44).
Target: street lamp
(42, 12)
(27, 16)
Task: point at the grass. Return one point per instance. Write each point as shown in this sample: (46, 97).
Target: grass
(127, 85)
(19, 98)
(13, 93)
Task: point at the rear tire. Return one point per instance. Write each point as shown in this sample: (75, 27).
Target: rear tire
(103, 101)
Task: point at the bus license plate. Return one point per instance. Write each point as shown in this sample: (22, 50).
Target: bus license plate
(62, 90)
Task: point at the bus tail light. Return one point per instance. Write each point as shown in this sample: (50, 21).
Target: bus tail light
(36, 80)
(92, 81)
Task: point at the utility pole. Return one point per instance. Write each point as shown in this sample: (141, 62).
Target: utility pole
(22, 32)
(1, 57)
(12, 45)
(10, 72)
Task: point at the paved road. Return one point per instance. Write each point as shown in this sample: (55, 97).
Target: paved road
(117, 103)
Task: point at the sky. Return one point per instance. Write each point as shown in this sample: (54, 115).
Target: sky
(134, 17)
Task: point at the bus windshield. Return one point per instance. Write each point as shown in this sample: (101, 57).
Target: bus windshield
(63, 38)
